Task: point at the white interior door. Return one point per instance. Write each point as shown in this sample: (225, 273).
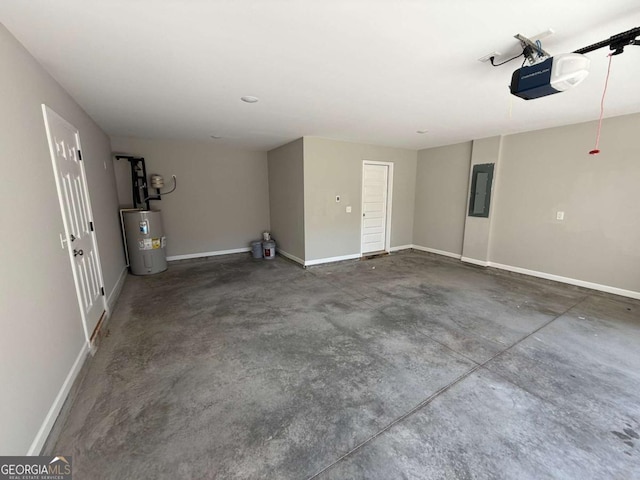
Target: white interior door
(375, 191)
(66, 155)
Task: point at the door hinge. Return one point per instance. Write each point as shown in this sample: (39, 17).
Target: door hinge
(91, 226)
(102, 291)
(79, 154)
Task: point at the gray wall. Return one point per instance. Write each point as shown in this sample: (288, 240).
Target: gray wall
(222, 199)
(549, 170)
(40, 323)
(333, 168)
(477, 230)
(286, 197)
(442, 183)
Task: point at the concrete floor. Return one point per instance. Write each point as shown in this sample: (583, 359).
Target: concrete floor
(407, 366)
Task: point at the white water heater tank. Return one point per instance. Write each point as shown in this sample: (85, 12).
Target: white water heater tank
(145, 240)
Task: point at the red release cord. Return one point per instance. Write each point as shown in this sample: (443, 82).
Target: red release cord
(596, 151)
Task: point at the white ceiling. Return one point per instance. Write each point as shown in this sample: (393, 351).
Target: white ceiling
(372, 71)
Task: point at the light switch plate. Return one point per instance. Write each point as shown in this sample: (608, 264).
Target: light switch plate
(337, 198)
(560, 216)
(348, 209)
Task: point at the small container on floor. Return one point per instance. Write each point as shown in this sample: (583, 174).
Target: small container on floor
(256, 249)
(269, 250)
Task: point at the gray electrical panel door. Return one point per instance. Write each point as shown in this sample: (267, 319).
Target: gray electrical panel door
(480, 196)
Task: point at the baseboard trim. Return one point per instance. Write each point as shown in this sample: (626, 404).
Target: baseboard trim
(482, 263)
(571, 281)
(437, 252)
(534, 273)
(117, 289)
(216, 253)
(400, 247)
(290, 257)
(342, 258)
(50, 419)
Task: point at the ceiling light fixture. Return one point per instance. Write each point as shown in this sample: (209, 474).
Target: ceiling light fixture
(249, 99)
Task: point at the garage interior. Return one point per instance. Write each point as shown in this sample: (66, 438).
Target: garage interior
(409, 365)
(492, 344)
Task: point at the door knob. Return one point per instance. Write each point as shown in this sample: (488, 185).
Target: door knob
(77, 252)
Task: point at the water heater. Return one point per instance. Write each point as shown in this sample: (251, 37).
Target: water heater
(145, 241)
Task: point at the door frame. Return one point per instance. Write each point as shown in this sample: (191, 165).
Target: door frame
(47, 111)
(387, 233)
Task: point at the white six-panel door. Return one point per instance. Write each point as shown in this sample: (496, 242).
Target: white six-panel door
(375, 191)
(64, 145)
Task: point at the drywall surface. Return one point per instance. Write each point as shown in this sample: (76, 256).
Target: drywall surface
(222, 199)
(286, 197)
(122, 171)
(547, 171)
(442, 182)
(40, 323)
(333, 168)
(477, 230)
